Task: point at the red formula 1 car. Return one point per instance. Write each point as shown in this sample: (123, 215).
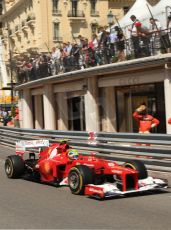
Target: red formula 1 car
(90, 175)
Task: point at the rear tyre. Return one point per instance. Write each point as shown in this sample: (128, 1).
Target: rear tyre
(14, 166)
(78, 177)
(139, 166)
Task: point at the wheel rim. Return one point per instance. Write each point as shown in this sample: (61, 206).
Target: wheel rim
(8, 168)
(74, 180)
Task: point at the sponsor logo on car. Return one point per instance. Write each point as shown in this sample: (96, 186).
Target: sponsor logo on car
(95, 190)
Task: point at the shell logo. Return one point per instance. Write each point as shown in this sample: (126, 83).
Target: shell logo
(7, 99)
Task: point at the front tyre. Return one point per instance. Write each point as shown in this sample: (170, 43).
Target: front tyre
(78, 177)
(14, 166)
(139, 166)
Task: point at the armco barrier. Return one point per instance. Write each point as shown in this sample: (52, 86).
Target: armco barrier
(153, 149)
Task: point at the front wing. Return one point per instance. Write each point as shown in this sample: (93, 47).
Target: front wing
(111, 190)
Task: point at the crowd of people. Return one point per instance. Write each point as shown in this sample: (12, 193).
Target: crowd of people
(105, 47)
(9, 117)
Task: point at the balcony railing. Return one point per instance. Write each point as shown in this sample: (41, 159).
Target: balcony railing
(76, 14)
(56, 12)
(94, 13)
(103, 54)
(57, 39)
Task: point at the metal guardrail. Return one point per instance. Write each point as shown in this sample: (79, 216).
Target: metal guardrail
(153, 149)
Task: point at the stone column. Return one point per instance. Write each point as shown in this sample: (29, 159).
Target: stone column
(110, 110)
(27, 109)
(167, 91)
(49, 108)
(38, 112)
(62, 111)
(91, 106)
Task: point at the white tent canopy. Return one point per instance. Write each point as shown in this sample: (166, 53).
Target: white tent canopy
(139, 9)
(161, 11)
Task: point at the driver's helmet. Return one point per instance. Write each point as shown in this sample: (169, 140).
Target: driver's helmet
(73, 154)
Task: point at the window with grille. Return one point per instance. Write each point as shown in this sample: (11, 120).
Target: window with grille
(74, 8)
(56, 31)
(55, 4)
(93, 5)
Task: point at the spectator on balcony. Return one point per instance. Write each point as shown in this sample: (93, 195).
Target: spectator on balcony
(35, 67)
(22, 71)
(112, 42)
(70, 60)
(95, 44)
(55, 61)
(43, 66)
(104, 44)
(84, 52)
(120, 44)
(95, 41)
(160, 37)
(103, 34)
(66, 58)
(81, 41)
(155, 30)
(135, 36)
(140, 38)
(28, 69)
(75, 53)
(68, 47)
(90, 55)
(99, 34)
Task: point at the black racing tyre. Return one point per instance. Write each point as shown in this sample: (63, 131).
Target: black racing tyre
(139, 166)
(78, 177)
(14, 166)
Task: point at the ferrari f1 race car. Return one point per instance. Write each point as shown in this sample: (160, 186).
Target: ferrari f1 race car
(59, 164)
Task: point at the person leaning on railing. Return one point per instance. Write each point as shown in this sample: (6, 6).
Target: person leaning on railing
(120, 44)
(140, 38)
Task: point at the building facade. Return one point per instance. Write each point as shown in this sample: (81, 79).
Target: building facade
(31, 26)
(99, 99)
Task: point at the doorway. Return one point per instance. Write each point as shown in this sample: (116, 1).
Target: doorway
(76, 113)
(130, 97)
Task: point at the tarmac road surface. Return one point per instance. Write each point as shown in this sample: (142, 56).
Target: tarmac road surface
(29, 205)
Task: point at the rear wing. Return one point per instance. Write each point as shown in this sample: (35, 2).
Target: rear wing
(21, 146)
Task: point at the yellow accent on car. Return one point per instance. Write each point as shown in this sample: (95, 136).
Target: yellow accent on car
(131, 166)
